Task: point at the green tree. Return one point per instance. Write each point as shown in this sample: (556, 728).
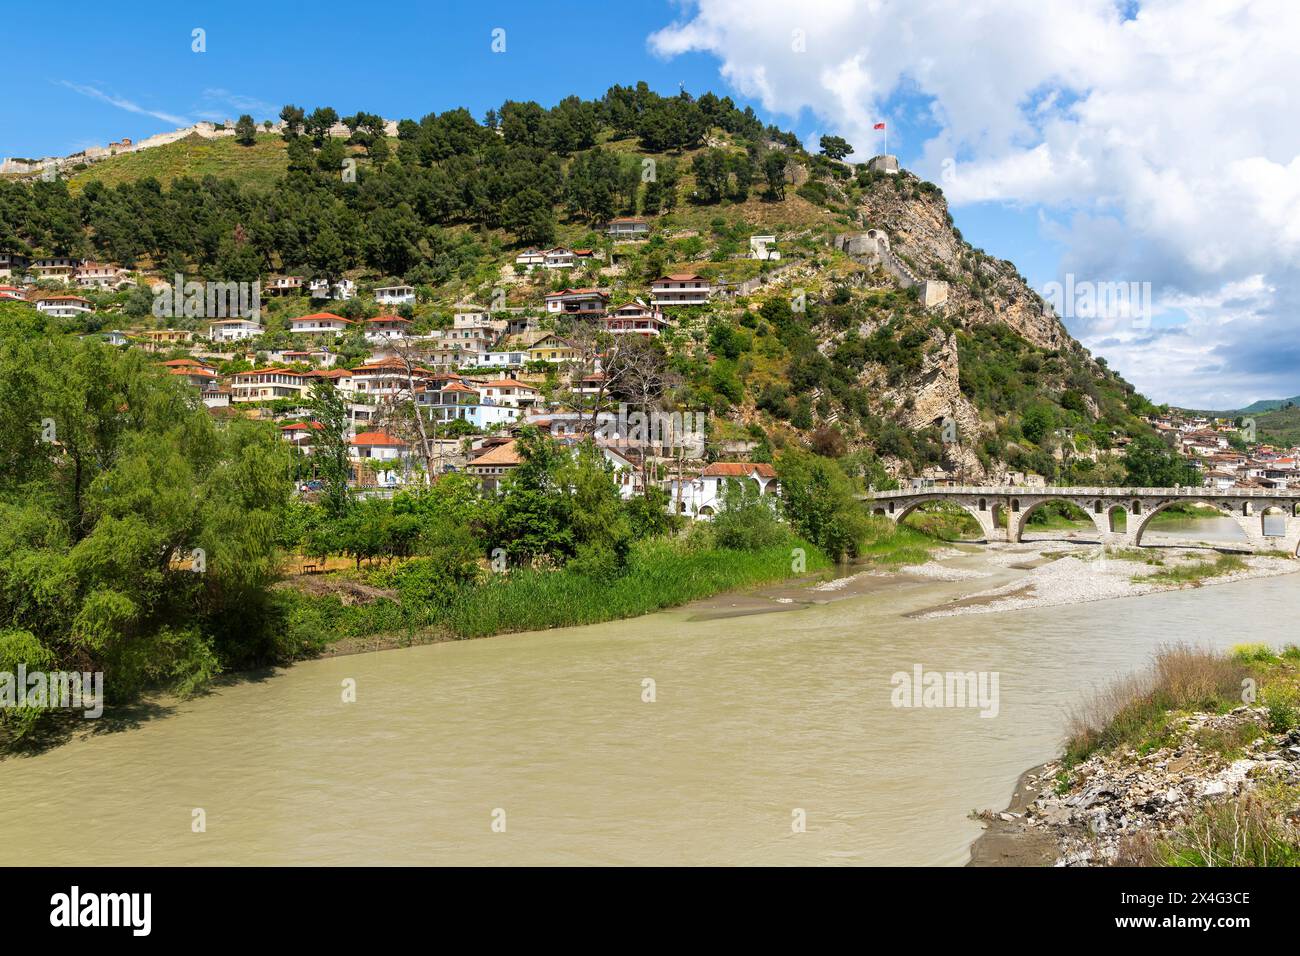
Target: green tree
(330, 446)
(245, 131)
(774, 164)
(818, 500)
(1150, 463)
(292, 117)
(139, 538)
(836, 147)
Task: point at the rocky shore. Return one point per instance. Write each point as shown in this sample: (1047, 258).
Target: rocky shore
(1111, 808)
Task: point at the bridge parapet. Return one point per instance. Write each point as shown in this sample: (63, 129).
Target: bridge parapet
(1002, 511)
(1078, 491)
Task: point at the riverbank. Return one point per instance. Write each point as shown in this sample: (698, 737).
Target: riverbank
(1169, 768)
(404, 603)
(1065, 572)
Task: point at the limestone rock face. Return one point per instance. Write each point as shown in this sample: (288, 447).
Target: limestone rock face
(980, 289)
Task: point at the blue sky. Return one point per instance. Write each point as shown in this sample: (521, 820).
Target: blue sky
(1064, 132)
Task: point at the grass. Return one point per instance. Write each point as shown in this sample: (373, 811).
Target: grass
(944, 521)
(891, 544)
(1253, 830)
(1137, 711)
(1194, 573)
(260, 164)
(660, 574)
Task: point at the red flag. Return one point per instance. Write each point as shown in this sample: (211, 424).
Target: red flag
(879, 126)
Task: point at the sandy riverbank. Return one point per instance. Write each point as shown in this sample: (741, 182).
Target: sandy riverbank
(1063, 572)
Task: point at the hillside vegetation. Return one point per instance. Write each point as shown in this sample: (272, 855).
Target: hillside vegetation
(831, 352)
(193, 157)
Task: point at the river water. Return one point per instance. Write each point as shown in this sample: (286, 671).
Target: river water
(755, 718)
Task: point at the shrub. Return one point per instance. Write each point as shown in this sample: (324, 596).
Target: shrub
(747, 521)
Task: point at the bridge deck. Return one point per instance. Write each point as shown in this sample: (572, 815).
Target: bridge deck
(1072, 491)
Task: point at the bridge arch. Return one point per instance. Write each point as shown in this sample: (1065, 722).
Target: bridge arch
(1107, 518)
(1223, 507)
(1270, 530)
(1022, 517)
(983, 518)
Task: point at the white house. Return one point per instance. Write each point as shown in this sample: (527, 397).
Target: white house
(456, 400)
(626, 473)
(558, 259)
(214, 396)
(509, 391)
(577, 302)
(627, 227)
(701, 497)
(233, 330)
(101, 275)
(502, 359)
(115, 337)
(680, 289)
(12, 292)
(388, 452)
(762, 248)
(635, 317)
(56, 267)
(530, 259)
(395, 295)
(11, 263)
(383, 328)
(283, 285)
(321, 323)
(343, 289)
(388, 378)
(63, 306)
(267, 384)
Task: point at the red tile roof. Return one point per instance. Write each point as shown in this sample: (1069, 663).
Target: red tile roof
(500, 455)
(377, 438)
(508, 383)
(322, 315)
(563, 292)
(738, 469)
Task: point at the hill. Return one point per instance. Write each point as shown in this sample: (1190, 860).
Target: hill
(1269, 405)
(839, 344)
(1279, 427)
(259, 165)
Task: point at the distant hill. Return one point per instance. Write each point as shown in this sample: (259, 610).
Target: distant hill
(1269, 405)
(1255, 408)
(1279, 427)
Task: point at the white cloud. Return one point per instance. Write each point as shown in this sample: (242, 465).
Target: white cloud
(123, 103)
(1169, 140)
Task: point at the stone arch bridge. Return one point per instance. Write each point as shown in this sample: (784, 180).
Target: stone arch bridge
(1246, 506)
